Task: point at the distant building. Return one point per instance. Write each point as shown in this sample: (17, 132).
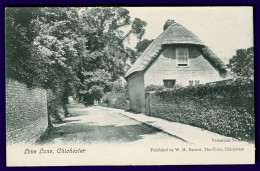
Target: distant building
(177, 56)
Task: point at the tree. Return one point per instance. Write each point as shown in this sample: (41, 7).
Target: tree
(59, 44)
(95, 85)
(242, 64)
(139, 49)
(102, 27)
(105, 50)
(19, 37)
(137, 28)
(69, 49)
(42, 50)
(131, 54)
(142, 45)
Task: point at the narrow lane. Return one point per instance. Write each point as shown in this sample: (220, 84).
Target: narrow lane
(89, 125)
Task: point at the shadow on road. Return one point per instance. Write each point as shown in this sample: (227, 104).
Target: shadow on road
(91, 133)
(67, 121)
(92, 125)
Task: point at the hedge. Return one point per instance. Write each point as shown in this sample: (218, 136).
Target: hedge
(225, 107)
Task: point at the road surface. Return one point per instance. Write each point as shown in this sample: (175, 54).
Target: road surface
(93, 125)
(103, 136)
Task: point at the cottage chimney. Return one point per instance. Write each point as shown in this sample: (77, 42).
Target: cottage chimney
(167, 24)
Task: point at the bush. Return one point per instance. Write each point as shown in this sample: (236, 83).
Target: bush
(57, 99)
(225, 107)
(117, 98)
(55, 110)
(154, 88)
(157, 88)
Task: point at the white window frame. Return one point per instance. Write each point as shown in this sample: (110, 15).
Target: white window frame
(177, 61)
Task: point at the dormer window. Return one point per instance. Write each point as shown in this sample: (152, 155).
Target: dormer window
(182, 56)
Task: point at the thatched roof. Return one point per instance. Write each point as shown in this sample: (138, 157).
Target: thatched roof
(208, 54)
(174, 34)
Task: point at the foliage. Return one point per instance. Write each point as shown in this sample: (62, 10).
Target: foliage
(131, 54)
(154, 88)
(138, 28)
(53, 106)
(118, 87)
(242, 63)
(115, 100)
(67, 50)
(18, 45)
(158, 88)
(102, 27)
(95, 85)
(142, 45)
(118, 97)
(217, 107)
(139, 49)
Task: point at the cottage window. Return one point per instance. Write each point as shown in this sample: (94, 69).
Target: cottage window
(169, 83)
(197, 82)
(182, 56)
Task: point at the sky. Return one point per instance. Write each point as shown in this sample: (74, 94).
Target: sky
(223, 29)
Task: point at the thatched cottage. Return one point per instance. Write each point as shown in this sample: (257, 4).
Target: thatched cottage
(177, 56)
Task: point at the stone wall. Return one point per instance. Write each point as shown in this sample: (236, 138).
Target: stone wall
(26, 112)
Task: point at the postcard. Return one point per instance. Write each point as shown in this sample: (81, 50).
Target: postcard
(129, 86)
